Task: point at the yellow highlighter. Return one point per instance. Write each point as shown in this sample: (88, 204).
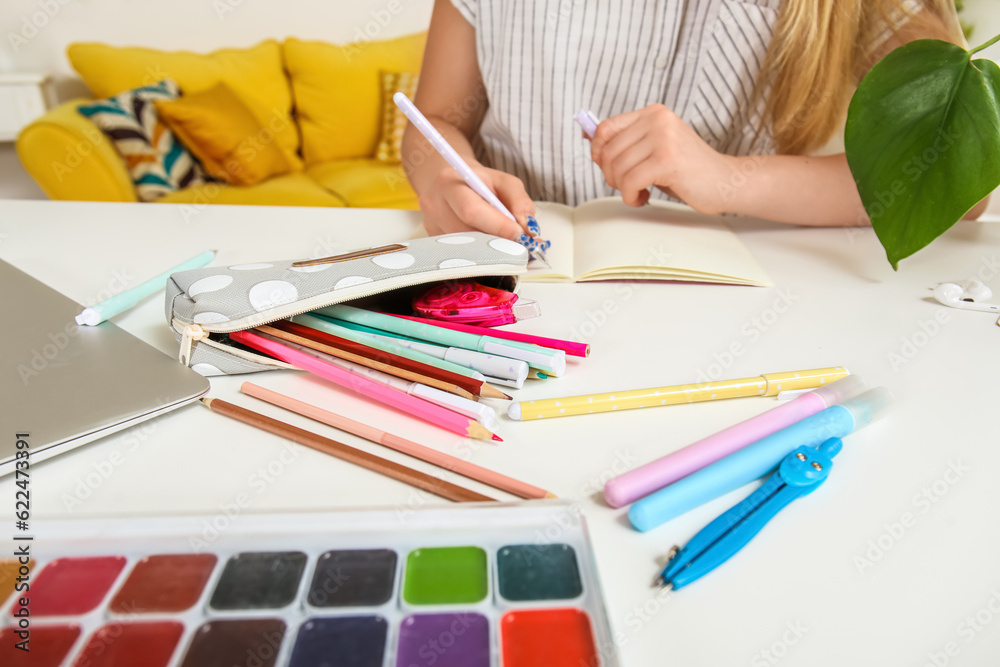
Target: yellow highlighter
(768, 384)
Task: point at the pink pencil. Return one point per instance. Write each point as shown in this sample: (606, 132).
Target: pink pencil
(569, 347)
(428, 454)
(421, 409)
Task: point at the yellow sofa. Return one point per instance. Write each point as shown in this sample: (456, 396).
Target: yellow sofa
(330, 95)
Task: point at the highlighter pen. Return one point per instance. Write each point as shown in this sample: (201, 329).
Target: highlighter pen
(119, 303)
(642, 481)
(757, 460)
(452, 157)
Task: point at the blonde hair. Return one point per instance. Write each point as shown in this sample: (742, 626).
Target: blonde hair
(820, 51)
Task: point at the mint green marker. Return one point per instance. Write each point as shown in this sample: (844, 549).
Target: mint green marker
(542, 358)
(323, 324)
(119, 303)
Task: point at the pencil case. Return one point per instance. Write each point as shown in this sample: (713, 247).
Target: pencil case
(204, 305)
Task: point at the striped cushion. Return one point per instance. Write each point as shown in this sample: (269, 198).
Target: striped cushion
(158, 163)
(390, 143)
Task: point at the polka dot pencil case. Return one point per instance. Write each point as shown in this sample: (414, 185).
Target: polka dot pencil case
(204, 305)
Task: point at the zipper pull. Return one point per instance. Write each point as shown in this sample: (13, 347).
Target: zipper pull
(190, 334)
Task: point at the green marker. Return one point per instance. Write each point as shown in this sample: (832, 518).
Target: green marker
(323, 324)
(543, 358)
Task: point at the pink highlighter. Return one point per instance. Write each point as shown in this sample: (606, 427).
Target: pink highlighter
(468, 302)
(653, 476)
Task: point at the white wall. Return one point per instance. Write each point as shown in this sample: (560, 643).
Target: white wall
(34, 33)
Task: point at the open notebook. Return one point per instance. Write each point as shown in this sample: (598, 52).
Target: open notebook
(604, 239)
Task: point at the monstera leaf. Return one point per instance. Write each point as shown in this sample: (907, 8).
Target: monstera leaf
(923, 141)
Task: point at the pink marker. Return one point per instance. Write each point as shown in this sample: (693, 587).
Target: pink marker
(569, 347)
(644, 480)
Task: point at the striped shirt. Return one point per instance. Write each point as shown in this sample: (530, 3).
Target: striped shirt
(543, 60)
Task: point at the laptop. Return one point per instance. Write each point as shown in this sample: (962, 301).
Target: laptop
(62, 386)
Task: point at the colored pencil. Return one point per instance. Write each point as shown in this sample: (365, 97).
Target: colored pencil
(482, 413)
(490, 365)
(543, 358)
(428, 454)
(336, 328)
(416, 407)
(569, 347)
(473, 385)
(377, 464)
(288, 331)
(768, 384)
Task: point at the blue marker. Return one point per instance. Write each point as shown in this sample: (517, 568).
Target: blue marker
(756, 460)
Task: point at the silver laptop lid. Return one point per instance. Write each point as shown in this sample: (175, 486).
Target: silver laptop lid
(65, 385)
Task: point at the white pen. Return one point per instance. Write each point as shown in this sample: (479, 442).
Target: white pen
(452, 157)
(487, 364)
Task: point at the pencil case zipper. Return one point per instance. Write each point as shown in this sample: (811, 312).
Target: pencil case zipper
(193, 333)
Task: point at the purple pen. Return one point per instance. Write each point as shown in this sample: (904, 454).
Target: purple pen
(644, 480)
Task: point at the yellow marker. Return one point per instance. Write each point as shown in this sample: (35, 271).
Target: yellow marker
(768, 384)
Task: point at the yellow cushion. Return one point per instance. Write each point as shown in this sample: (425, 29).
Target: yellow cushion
(293, 189)
(366, 183)
(338, 92)
(255, 75)
(390, 142)
(70, 158)
(222, 133)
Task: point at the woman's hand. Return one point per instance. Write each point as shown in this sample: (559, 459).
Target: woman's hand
(653, 146)
(450, 205)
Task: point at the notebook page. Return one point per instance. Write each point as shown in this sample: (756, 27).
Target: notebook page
(556, 223)
(660, 241)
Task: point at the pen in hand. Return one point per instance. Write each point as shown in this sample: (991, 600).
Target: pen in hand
(535, 247)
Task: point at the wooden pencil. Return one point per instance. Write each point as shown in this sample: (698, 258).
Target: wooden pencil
(358, 457)
(407, 374)
(411, 405)
(400, 444)
(472, 385)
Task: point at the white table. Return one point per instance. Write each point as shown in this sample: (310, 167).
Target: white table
(835, 579)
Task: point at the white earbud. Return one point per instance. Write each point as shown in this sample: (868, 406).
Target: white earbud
(966, 295)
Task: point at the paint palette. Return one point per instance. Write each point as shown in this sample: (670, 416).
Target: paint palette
(487, 585)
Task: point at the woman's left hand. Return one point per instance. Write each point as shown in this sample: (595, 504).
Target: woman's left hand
(653, 146)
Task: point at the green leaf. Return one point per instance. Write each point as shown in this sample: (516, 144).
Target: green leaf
(923, 141)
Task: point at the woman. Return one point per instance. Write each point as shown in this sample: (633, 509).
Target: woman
(715, 102)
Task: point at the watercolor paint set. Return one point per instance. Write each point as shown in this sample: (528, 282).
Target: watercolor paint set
(485, 585)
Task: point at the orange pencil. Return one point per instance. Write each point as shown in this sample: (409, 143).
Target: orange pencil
(382, 466)
(428, 454)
